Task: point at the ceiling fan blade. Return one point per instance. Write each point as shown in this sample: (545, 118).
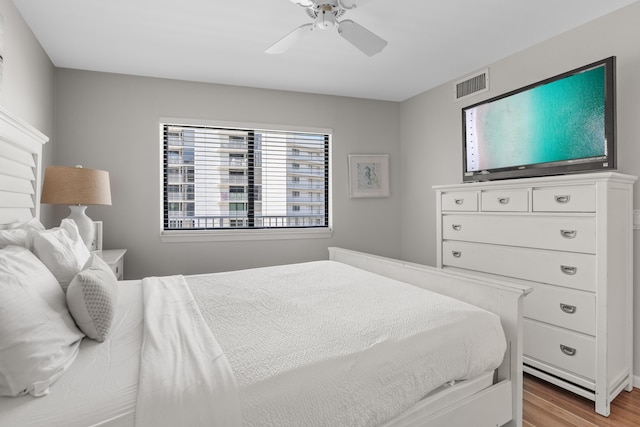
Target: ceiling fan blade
(290, 39)
(350, 4)
(303, 3)
(360, 37)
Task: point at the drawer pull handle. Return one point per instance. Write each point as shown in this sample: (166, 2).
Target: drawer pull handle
(569, 309)
(569, 351)
(456, 227)
(456, 254)
(562, 199)
(569, 271)
(459, 201)
(568, 234)
(503, 200)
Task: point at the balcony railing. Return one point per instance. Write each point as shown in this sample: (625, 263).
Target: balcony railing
(231, 221)
(305, 171)
(307, 158)
(180, 178)
(305, 186)
(180, 197)
(233, 197)
(237, 180)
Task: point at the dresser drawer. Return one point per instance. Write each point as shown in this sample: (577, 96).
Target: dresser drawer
(566, 350)
(505, 201)
(462, 201)
(567, 308)
(575, 234)
(567, 269)
(577, 198)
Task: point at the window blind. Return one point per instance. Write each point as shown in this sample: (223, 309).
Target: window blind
(235, 178)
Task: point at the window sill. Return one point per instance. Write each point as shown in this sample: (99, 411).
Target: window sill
(241, 235)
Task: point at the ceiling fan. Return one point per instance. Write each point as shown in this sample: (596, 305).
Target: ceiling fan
(325, 14)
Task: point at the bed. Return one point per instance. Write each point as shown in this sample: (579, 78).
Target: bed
(356, 339)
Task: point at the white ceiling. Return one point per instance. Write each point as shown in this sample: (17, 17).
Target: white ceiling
(223, 41)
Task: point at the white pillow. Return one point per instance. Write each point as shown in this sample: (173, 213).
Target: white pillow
(17, 233)
(62, 250)
(38, 339)
(92, 296)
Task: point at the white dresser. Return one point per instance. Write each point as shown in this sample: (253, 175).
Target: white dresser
(570, 238)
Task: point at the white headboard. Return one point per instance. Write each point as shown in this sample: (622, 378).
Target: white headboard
(20, 169)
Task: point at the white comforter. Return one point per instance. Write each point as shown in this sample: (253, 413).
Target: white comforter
(326, 344)
(185, 378)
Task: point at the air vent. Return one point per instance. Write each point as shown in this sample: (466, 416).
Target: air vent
(472, 85)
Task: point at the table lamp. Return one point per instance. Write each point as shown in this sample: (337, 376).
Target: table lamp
(77, 187)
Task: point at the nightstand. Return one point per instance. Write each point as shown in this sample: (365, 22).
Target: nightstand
(115, 259)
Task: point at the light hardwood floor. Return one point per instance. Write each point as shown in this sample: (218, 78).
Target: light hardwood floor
(546, 405)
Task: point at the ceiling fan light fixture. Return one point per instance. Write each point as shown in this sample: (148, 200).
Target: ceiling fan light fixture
(326, 18)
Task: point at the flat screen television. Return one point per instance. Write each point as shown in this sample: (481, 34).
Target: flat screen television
(564, 124)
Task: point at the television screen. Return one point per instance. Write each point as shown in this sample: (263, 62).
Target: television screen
(560, 125)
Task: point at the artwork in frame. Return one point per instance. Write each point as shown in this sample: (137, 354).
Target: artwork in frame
(368, 175)
(96, 245)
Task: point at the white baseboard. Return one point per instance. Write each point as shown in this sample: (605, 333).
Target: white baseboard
(636, 381)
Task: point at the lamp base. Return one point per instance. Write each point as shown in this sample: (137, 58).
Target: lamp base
(85, 225)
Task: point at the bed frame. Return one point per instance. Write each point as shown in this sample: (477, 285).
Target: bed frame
(20, 168)
(496, 405)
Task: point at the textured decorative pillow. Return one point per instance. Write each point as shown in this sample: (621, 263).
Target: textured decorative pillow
(17, 233)
(62, 250)
(38, 339)
(92, 296)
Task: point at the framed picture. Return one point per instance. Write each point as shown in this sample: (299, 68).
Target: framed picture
(368, 175)
(97, 242)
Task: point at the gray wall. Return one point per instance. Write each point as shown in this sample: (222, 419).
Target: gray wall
(27, 83)
(432, 132)
(109, 121)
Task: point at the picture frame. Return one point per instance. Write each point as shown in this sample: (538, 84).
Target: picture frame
(97, 242)
(368, 175)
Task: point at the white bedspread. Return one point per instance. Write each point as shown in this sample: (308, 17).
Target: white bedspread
(326, 344)
(313, 344)
(185, 378)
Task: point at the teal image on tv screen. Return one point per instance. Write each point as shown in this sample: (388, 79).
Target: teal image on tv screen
(561, 120)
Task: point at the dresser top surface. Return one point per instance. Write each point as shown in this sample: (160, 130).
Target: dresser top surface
(572, 179)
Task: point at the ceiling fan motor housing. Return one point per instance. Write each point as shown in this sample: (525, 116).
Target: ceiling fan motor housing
(326, 17)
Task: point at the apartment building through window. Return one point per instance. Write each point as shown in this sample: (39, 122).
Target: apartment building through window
(218, 178)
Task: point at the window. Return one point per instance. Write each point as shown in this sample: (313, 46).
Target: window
(222, 178)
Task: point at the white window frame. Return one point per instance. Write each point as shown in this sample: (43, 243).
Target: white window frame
(184, 236)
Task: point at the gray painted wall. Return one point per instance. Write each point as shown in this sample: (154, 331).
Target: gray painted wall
(432, 132)
(109, 121)
(27, 84)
